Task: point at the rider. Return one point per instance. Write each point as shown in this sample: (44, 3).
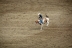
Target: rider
(40, 18)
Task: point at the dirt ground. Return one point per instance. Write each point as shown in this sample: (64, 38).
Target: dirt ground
(19, 30)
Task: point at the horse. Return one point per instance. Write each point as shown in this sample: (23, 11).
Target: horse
(45, 20)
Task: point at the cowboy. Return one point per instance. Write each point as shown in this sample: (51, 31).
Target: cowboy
(40, 18)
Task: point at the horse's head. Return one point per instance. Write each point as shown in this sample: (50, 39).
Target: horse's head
(36, 21)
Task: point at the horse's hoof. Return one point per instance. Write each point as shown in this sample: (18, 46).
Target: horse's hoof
(46, 25)
(40, 29)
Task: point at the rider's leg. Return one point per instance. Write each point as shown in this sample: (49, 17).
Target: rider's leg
(41, 21)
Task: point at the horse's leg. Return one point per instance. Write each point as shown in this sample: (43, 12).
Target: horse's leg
(41, 26)
(47, 23)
